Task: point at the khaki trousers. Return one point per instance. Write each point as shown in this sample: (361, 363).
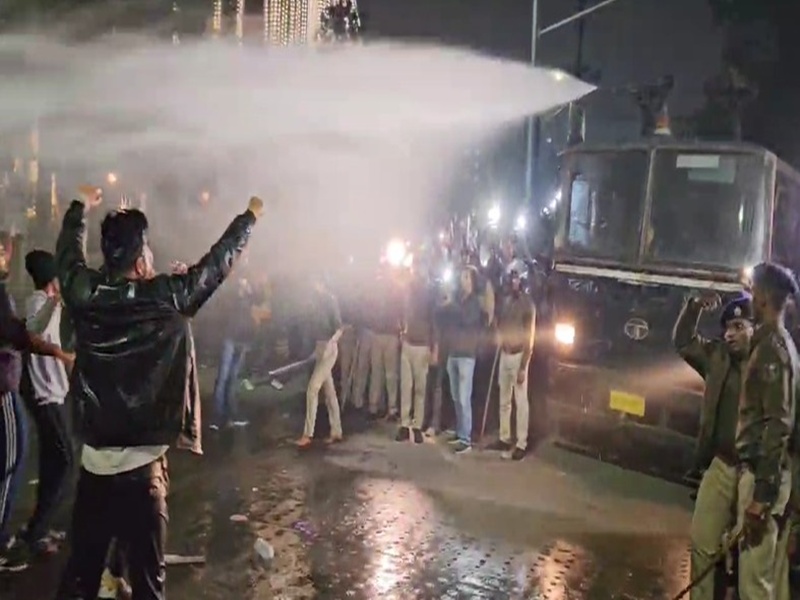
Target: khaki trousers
(384, 366)
(322, 379)
(414, 364)
(759, 566)
(507, 381)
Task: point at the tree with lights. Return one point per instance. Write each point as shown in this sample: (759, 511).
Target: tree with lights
(340, 22)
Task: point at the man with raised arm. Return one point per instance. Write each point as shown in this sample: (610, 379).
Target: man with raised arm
(134, 386)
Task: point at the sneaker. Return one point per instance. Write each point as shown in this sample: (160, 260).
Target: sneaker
(46, 546)
(430, 432)
(58, 536)
(499, 446)
(240, 423)
(517, 454)
(214, 427)
(417, 436)
(462, 448)
(15, 558)
(111, 587)
(403, 435)
(248, 385)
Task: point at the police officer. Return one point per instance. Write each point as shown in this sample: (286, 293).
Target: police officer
(766, 421)
(720, 362)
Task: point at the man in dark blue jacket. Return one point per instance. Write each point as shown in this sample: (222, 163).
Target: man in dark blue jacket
(134, 386)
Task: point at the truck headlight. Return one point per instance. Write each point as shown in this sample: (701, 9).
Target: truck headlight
(565, 334)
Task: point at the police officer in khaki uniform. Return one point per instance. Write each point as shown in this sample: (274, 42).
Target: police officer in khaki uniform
(720, 362)
(766, 422)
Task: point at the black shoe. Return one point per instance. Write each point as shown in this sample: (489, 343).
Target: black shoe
(403, 435)
(392, 418)
(517, 454)
(374, 417)
(15, 558)
(417, 436)
(499, 446)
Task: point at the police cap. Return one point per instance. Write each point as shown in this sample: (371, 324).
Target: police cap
(740, 307)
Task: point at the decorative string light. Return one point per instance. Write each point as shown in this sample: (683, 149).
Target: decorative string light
(240, 20)
(216, 24)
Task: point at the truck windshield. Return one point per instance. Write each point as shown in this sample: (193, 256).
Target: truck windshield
(606, 199)
(707, 209)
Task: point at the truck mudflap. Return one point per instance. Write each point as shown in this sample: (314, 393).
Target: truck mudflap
(624, 417)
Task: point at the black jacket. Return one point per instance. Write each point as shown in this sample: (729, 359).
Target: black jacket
(135, 376)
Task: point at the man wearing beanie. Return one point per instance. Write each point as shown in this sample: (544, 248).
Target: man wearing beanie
(720, 362)
(47, 387)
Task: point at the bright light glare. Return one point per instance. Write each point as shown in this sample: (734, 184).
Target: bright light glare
(447, 275)
(494, 215)
(111, 178)
(521, 223)
(565, 334)
(408, 260)
(396, 252)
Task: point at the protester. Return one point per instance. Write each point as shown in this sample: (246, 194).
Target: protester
(47, 388)
(515, 333)
(241, 308)
(326, 330)
(14, 338)
(419, 351)
(134, 386)
(462, 319)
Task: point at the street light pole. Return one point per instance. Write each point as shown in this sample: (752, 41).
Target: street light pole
(534, 123)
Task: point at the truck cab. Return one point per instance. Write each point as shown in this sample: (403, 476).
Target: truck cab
(638, 228)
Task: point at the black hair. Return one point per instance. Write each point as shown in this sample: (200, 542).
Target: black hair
(123, 235)
(41, 266)
(778, 282)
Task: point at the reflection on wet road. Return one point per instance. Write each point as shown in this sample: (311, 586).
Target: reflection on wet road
(379, 538)
(377, 520)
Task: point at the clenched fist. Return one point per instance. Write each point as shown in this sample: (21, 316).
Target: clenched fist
(256, 206)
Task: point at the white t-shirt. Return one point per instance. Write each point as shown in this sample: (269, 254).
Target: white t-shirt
(48, 375)
(115, 461)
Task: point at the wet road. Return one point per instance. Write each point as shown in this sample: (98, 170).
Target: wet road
(374, 519)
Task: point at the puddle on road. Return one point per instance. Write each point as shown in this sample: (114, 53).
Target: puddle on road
(379, 538)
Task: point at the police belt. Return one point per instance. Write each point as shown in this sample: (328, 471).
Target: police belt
(728, 458)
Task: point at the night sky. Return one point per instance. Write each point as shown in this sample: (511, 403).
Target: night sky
(629, 41)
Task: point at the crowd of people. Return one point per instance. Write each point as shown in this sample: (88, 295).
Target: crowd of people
(111, 350)
(132, 386)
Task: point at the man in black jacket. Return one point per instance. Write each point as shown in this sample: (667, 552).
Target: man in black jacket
(134, 386)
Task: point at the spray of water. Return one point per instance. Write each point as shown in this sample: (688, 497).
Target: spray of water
(355, 142)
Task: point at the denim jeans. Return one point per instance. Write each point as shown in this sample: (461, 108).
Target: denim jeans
(230, 367)
(460, 371)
